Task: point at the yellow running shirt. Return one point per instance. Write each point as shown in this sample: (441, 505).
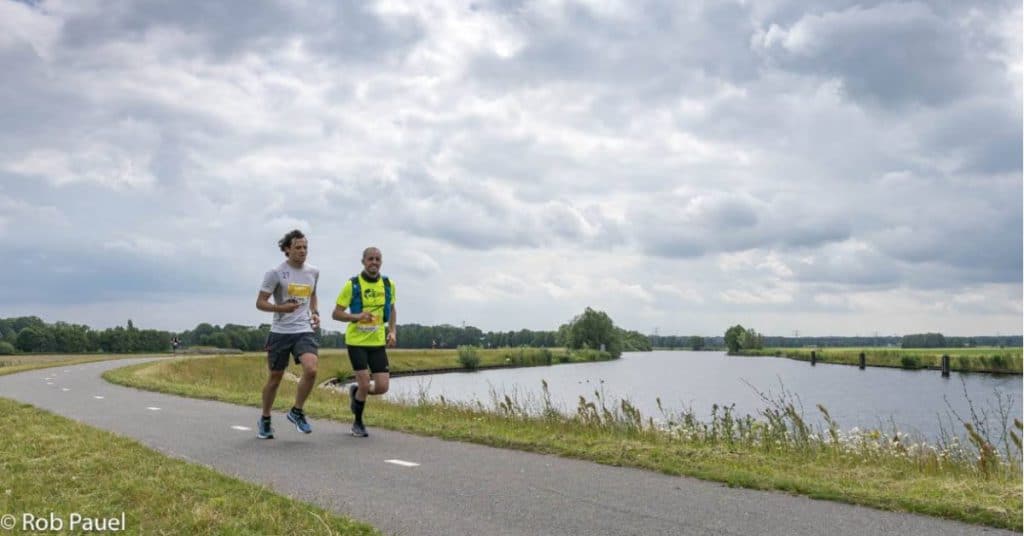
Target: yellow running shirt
(372, 333)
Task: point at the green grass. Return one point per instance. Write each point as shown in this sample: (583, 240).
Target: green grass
(9, 364)
(52, 464)
(986, 359)
(774, 451)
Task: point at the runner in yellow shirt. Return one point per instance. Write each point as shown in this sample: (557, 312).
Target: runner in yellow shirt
(370, 300)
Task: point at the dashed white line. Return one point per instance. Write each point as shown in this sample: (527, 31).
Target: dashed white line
(65, 389)
(242, 428)
(403, 463)
(97, 397)
(152, 408)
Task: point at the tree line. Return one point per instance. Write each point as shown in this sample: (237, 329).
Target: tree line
(739, 338)
(591, 329)
(31, 335)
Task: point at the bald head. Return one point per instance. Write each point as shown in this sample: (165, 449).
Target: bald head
(371, 261)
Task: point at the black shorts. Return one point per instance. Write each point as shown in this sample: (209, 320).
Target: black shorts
(374, 356)
(279, 345)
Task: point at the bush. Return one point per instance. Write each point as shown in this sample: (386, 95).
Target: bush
(468, 357)
(999, 362)
(910, 362)
(6, 348)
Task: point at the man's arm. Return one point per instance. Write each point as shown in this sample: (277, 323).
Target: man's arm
(314, 311)
(341, 315)
(392, 337)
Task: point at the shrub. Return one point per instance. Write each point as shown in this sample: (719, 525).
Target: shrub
(910, 362)
(468, 357)
(999, 362)
(6, 348)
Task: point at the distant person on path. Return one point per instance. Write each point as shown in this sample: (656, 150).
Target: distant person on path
(296, 319)
(370, 299)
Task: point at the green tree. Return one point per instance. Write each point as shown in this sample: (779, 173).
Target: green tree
(595, 329)
(696, 343)
(733, 338)
(751, 339)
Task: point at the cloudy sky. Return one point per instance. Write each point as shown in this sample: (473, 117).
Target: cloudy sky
(828, 167)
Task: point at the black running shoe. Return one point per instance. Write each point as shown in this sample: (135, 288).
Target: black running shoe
(359, 430)
(264, 430)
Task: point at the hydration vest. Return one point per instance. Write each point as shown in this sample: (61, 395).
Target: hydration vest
(356, 306)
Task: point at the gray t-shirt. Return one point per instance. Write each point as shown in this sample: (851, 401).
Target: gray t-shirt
(288, 283)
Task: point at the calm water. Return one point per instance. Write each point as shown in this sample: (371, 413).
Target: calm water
(916, 401)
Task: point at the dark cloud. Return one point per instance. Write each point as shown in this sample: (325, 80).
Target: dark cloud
(346, 31)
(723, 223)
(78, 276)
(890, 54)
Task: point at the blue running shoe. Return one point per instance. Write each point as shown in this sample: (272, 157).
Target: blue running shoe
(298, 418)
(359, 430)
(264, 430)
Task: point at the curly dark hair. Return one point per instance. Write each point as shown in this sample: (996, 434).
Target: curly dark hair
(286, 241)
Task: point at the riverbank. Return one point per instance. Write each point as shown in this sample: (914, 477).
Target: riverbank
(774, 450)
(989, 359)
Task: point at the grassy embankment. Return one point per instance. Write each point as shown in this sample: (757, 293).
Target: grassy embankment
(985, 359)
(52, 464)
(9, 364)
(49, 464)
(978, 482)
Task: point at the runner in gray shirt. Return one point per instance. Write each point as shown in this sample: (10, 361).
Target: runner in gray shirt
(296, 318)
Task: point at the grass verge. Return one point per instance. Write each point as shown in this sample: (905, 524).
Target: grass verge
(777, 451)
(12, 364)
(49, 464)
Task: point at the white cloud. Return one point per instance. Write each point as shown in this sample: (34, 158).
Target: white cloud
(685, 166)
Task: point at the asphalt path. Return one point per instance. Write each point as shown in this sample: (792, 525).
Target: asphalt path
(411, 485)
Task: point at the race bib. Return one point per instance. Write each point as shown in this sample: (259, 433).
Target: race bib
(368, 326)
(300, 292)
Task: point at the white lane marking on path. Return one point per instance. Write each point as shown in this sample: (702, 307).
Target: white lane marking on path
(48, 379)
(152, 408)
(242, 428)
(403, 463)
(98, 397)
(65, 389)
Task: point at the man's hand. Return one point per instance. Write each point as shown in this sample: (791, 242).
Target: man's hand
(392, 339)
(314, 320)
(289, 306)
(364, 317)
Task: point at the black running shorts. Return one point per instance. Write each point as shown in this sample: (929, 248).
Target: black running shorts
(376, 357)
(279, 345)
